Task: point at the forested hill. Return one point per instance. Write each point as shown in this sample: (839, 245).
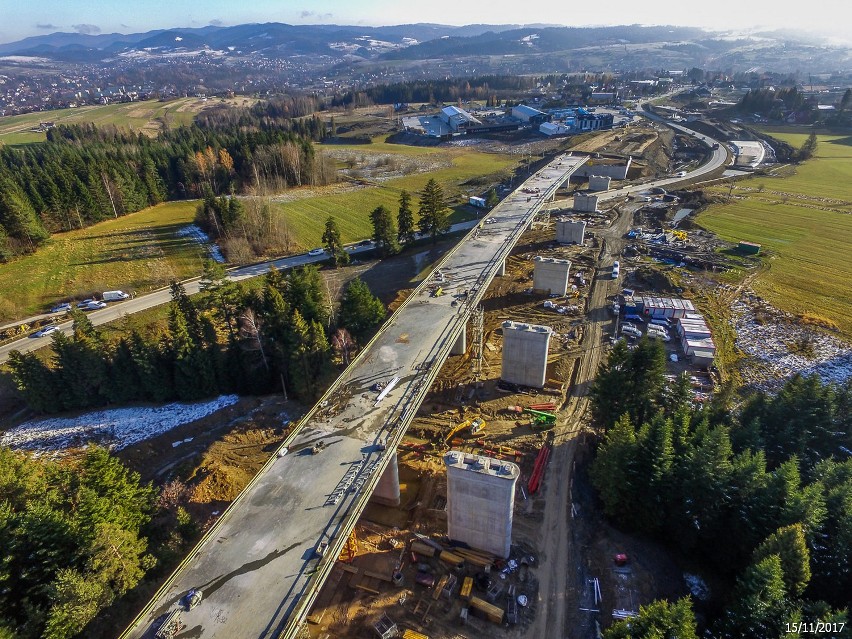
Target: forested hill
(83, 174)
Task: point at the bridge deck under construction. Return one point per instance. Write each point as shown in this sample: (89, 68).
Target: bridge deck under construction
(257, 567)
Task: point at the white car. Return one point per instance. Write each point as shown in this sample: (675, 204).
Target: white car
(316, 251)
(47, 330)
(94, 305)
(629, 329)
(681, 174)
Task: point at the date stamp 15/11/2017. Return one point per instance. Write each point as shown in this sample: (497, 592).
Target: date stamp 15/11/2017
(822, 628)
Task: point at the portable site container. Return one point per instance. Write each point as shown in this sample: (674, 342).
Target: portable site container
(692, 345)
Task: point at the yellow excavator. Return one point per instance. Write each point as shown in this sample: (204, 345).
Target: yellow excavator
(475, 425)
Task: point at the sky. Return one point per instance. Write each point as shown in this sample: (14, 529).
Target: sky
(20, 19)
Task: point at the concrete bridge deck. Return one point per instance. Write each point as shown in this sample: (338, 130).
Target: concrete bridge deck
(257, 566)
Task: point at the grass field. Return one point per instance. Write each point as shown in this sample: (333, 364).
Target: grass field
(804, 223)
(137, 252)
(352, 209)
(137, 116)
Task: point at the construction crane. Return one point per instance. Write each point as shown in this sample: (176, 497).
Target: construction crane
(540, 417)
(476, 425)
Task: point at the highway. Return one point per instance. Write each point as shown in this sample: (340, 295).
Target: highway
(257, 566)
(163, 296)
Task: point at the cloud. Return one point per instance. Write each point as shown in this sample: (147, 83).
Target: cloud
(313, 14)
(88, 29)
(41, 25)
(216, 23)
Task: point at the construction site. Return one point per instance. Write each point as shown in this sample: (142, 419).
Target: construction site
(458, 558)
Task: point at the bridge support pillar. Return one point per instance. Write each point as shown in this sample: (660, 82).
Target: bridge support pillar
(502, 270)
(387, 490)
(460, 347)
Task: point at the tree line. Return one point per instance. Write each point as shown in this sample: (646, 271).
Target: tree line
(761, 496)
(77, 534)
(286, 336)
(84, 174)
(432, 91)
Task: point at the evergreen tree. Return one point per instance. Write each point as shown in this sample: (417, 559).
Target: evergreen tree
(361, 312)
(384, 232)
(790, 546)
(608, 392)
(433, 211)
(36, 381)
(491, 198)
(658, 620)
(405, 220)
(613, 471)
(808, 148)
(333, 244)
(759, 606)
(305, 291)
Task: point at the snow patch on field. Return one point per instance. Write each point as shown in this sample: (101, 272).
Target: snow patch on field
(778, 347)
(116, 428)
(197, 235)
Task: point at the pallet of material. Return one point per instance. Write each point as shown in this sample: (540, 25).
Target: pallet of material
(436, 592)
(410, 634)
(451, 558)
(422, 549)
(467, 587)
(492, 613)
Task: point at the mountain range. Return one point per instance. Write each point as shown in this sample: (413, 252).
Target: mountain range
(628, 46)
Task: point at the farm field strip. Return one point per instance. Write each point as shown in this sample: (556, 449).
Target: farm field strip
(137, 252)
(803, 222)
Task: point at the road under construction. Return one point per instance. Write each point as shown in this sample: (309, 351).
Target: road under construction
(258, 567)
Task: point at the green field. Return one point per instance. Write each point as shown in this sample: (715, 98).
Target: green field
(137, 252)
(306, 218)
(804, 223)
(137, 116)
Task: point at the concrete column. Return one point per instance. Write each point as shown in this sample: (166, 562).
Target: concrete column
(460, 347)
(502, 270)
(387, 490)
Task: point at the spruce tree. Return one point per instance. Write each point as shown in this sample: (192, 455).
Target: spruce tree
(405, 220)
(333, 244)
(434, 220)
(384, 232)
(361, 312)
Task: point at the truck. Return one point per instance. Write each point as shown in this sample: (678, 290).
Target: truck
(115, 296)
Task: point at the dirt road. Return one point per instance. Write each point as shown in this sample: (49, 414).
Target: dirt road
(557, 585)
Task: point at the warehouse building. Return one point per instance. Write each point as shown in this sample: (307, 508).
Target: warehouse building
(530, 115)
(458, 120)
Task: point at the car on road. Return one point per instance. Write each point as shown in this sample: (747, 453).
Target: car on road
(681, 174)
(85, 303)
(365, 243)
(47, 330)
(94, 305)
(316, 251)
(61, 308)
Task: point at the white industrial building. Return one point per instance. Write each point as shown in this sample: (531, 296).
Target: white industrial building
(665, 307)
(529, 114)
(458, 119)
(480, 501)
(525, 349)
(553, 128)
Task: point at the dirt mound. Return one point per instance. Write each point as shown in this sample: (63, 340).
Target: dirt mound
(230, 463)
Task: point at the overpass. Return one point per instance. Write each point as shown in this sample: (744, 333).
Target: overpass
(257, 566)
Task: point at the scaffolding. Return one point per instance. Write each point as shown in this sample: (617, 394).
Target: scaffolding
(477, 319)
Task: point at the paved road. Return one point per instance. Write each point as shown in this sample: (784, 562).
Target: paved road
(257, 567)
(163, 296)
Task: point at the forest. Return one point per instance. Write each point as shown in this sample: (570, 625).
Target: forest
(434, 91)
(760, 497)
(288, 336)
(84, 174)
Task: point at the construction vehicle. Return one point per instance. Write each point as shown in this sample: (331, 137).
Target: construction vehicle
(476, 425)
(540, 417)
